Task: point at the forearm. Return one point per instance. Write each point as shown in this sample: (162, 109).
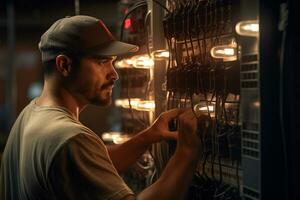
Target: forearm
(126, 154)
(175, 179)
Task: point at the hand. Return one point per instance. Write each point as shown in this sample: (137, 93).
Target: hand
(188, 135)
(159, 130)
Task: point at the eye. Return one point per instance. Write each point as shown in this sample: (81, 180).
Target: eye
(103, 61)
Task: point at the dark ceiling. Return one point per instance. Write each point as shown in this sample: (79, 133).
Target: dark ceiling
(25, 5)
(33, 17)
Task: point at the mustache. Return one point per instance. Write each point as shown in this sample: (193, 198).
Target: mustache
(106, 85)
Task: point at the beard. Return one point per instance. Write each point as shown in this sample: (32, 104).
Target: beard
(101, 101)
(105, 96)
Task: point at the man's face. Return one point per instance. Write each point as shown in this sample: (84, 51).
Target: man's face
(94, 80)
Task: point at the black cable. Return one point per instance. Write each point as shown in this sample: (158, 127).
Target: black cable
(190, 32)
(161, 5)
(204, 162)
(237, 176)
(128, 96)
(284, 21)
(220, 168)
(185, 36)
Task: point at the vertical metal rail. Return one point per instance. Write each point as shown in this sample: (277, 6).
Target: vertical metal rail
(156, 42)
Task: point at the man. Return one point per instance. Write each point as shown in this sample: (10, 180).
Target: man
(51, 155)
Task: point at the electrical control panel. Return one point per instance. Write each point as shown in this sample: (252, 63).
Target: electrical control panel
(204, 55)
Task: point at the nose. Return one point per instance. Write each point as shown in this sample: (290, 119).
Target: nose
(113, 75)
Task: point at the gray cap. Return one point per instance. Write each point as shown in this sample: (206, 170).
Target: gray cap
(81, 34)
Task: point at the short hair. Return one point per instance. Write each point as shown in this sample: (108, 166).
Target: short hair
(49, 66)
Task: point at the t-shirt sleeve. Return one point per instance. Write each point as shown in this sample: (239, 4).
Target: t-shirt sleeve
(82, 169)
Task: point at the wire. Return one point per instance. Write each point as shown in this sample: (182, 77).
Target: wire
(281, 95)
(129, 102)
(161, 5)
(185, 24)
(237, 176)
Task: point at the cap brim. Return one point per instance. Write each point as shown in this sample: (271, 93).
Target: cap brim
(114, 48)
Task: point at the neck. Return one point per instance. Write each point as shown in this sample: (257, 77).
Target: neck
(55, 94)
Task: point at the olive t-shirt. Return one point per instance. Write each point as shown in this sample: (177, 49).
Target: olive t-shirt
(51, 155)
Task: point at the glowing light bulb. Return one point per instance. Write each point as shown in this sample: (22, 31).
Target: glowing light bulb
(125, 63)
(205, 108)
(248, 28)
(108, 136)
(137, 104)
(160, 54)
(138, 61)
(142, 61)
(124, 103)
(201, 108)
(115, 137)
(225, 52)
(121, 139)
(146, 105)
(256, 104)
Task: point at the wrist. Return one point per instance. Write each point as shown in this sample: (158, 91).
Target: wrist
(152, 135)
(146, 137)
(188, 152)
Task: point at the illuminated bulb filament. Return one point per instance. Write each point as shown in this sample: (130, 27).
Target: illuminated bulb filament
(124, 103)
(120, 139)
(225, 52)
(137, 104)
(142, 61)
(248, 28)
(146, 105)
(125, 63)
(115, 137)
(204, 108)
(138, 61)
(160, 54)
(108, 137)
(200, 109)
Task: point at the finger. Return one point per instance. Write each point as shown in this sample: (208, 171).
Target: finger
(187, 114)
(171, 135)
(173, 113)
(188, 119)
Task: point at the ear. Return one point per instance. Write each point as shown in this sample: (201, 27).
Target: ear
(63, 64)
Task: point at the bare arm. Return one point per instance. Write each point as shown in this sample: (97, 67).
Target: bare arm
(174, 181)
(176, 177)
(126, 154)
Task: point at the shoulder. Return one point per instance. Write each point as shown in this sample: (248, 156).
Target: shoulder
(56, 131)
(83, 164)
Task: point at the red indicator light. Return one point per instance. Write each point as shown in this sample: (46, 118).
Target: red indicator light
(127, 23)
